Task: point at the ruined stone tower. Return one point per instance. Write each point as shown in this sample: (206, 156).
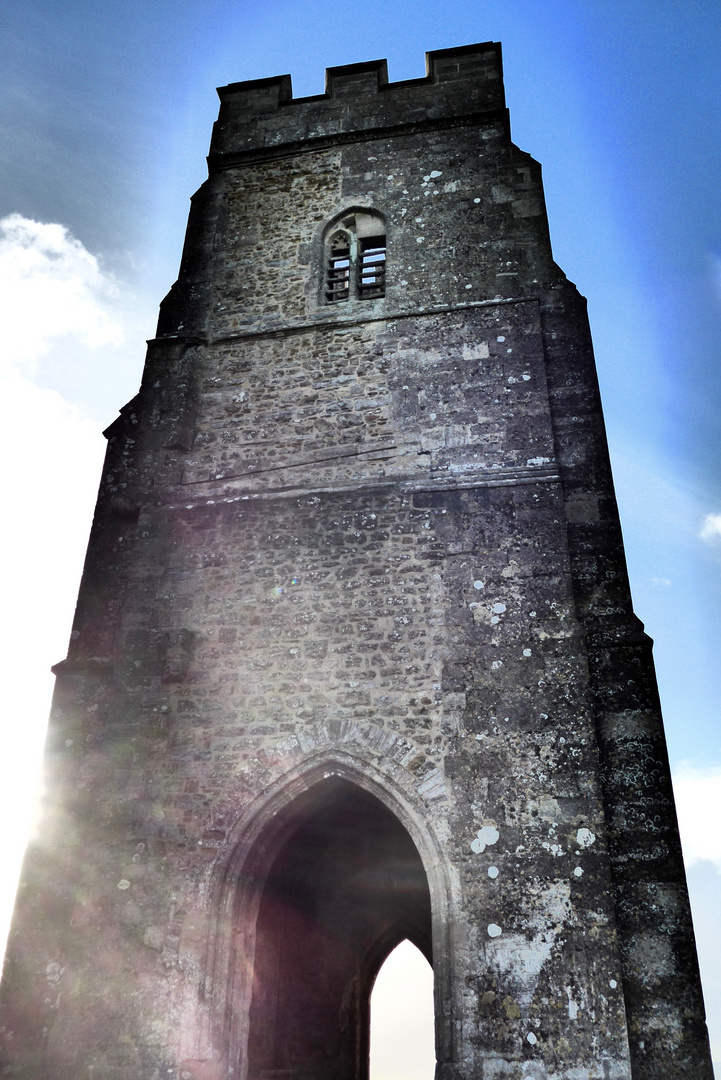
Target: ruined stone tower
(354, 657)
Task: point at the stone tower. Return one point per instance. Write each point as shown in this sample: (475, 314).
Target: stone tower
(354, 657)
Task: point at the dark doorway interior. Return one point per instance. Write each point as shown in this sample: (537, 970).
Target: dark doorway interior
(346, 886)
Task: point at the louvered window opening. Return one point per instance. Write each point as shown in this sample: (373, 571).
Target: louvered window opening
(338, 274)
(372, 267)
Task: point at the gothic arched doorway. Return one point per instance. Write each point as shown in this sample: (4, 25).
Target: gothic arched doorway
(402, 1045)
(345, 885)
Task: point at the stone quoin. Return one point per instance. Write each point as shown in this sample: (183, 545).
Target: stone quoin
(354, 658)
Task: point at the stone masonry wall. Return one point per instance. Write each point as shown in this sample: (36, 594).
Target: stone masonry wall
(373, 542)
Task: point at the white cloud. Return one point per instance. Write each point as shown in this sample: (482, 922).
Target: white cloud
(698, 804)
(50, 287)
(60, 311)
(52, 456)
(711, 527)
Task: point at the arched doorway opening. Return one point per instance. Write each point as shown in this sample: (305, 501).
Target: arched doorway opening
(345, 885)
(402, 1046)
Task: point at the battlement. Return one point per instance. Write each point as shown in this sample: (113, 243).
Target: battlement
(262, 114)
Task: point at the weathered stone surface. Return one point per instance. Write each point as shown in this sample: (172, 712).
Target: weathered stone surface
(354, 656)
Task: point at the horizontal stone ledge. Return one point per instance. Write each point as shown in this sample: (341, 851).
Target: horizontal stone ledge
(378, 314)
(223, 160)
(487, 479)
(83, 665)
(484, 479)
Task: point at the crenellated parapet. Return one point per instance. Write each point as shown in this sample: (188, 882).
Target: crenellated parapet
(263, 115)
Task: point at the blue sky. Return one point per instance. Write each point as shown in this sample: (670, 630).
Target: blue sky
(105, 116)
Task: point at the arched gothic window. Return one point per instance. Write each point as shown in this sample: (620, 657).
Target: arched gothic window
(355, 258)
(338, 268)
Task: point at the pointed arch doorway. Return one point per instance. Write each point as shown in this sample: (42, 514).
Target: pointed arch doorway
(402, 1043)
(343, 884)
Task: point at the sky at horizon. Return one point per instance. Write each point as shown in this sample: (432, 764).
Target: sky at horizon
(105, 113)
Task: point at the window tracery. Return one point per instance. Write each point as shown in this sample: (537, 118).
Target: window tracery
(355, 258)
